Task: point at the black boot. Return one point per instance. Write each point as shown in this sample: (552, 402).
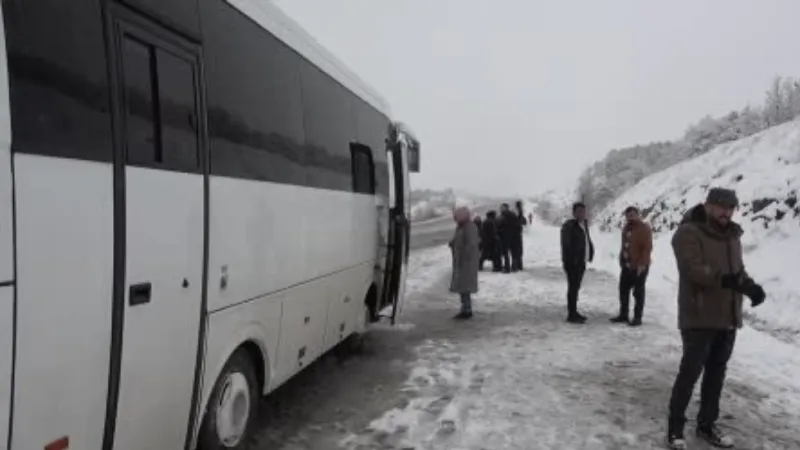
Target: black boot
(576, 319)
(636, 322)
(622, 318)
(714, 436)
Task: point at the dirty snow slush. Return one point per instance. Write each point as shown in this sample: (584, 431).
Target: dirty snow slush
(516, 376)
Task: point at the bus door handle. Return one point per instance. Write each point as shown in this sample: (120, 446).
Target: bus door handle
(139, 294)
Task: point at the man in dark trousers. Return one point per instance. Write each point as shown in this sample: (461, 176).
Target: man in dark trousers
(490, 242)
(712, 281)
(576, 250)
(508, 228)
(634, 260)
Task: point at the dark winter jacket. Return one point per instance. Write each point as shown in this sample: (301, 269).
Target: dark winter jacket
(489, 235)
(576, 244)
(521, 217)
(704, 253)
(509, 226)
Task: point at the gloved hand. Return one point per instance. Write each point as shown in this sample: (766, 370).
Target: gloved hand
(755, 293)
(732, 281)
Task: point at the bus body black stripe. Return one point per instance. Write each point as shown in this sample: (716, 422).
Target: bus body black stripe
(202, 141)
(118, 290)
(12, 387)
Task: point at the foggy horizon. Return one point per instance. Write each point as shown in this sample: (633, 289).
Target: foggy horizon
(517, 98)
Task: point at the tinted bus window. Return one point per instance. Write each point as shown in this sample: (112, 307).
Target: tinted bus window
(58, 78)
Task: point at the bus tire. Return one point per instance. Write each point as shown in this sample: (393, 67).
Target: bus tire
(233, 406)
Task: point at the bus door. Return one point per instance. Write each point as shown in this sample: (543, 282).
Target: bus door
(162, 164)
(7, 325)
(403, 158)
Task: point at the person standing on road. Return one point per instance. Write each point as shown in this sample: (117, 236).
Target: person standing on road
(516, 252)
(490, 242)
(508, 228)
(466, 256)
(712, 281)
(634, 260)
(576, 250)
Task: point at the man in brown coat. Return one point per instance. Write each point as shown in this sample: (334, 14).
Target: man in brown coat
(712, 280)
(634, 259)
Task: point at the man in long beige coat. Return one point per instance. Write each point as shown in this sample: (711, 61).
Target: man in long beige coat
(712, 280)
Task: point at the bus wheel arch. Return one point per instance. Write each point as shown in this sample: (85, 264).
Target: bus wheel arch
(231, 410)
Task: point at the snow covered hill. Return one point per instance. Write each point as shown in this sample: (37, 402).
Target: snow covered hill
(764, 169)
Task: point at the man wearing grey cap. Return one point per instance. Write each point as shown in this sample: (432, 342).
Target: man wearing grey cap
(712, 281)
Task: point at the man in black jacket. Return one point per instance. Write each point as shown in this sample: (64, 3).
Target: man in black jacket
(509, 229)
(576, 250)
(490, 242)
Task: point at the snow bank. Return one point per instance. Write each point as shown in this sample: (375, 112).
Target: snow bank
(764, 169)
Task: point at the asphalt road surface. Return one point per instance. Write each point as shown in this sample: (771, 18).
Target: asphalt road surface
(430, 233)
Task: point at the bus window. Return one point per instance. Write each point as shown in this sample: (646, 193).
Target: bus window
(363, 169)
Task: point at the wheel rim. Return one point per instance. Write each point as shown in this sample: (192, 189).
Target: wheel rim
(233, 409)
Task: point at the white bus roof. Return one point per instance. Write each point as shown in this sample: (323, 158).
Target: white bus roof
(274, 20)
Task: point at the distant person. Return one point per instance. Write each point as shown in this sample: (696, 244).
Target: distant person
(634, 261)
(530, 218)
(577, 249)
(490, 242)
(712, 280)
(517, 249)
(509, 229)
(464, 246)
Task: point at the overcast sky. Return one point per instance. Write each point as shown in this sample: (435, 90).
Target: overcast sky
(516, 96)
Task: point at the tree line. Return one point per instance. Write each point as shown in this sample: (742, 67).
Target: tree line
(622, 168)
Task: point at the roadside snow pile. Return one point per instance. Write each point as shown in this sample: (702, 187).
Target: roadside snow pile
(764, 169)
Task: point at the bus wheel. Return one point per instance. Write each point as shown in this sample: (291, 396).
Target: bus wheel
(233, 406)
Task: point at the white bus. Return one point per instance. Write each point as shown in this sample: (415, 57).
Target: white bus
(196, 201)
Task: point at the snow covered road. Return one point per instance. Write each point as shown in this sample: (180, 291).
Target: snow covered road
(518, 377)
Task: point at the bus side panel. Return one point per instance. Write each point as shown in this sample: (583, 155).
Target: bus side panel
(268, 237)
(301, 247)
(64, 261)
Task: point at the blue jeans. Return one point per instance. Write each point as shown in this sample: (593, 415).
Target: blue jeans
(466, 302)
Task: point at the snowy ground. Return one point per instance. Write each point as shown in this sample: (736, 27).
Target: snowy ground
(764, 169)
(518, 377)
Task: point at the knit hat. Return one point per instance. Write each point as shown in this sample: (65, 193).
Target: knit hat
(722, 197)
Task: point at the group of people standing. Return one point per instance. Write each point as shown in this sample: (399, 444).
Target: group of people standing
(496, 238)
(577, 249)
(711, 287)
(712, 283)
(501, 238)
